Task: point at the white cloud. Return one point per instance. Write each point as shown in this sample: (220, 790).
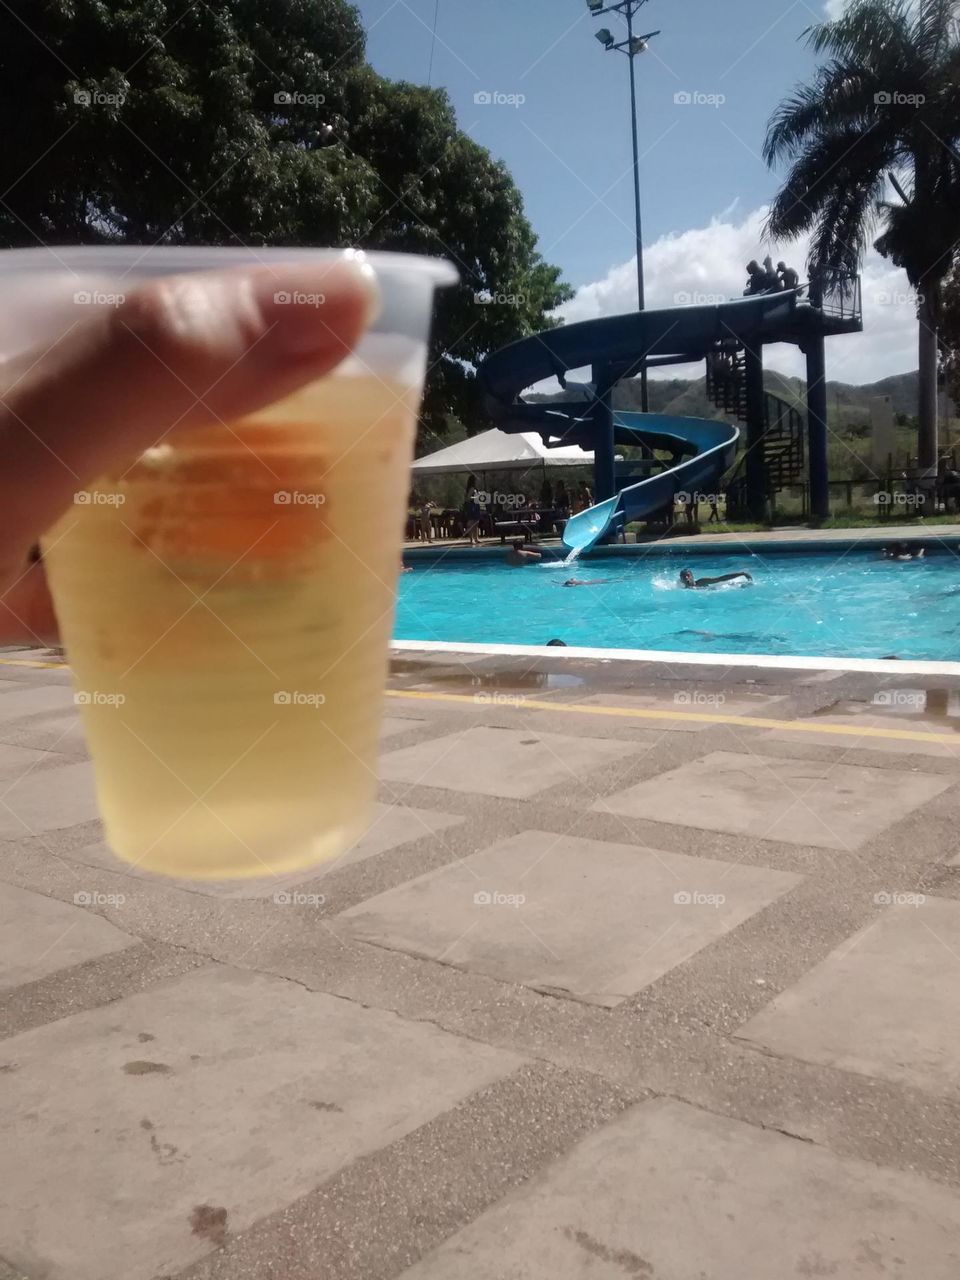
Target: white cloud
(704, 263)
(834, 8)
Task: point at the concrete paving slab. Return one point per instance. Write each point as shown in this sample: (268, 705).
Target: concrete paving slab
(886, 1003)
(582, 917)
(16, 761)
(392, 725)
(392, 826)
(39, 936)
(35, 699)
(48, 801)
(672, 1193)
(513, 763)
(832, 806)
(52, 733)
(200, 1106)
(706, 701)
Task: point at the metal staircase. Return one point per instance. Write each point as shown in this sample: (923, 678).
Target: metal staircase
(784, 429)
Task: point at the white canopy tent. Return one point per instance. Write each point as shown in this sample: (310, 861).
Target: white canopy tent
(497, 451)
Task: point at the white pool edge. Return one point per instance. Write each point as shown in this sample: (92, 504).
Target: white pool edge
(876, 666)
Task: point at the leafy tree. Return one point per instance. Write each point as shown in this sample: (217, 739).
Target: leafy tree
(883, 111)
(259, 122)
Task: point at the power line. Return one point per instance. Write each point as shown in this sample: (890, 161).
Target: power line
(433, 42)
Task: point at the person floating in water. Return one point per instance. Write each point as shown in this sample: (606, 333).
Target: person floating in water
(520, 555)
(585, 582)
(901, 551)
(688, 580)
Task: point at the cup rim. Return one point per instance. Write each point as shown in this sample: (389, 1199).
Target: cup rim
(158, 259)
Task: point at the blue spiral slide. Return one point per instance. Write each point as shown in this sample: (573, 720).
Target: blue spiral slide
(701, 449)
(714, 445)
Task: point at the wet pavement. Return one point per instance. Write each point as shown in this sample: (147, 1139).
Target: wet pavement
(642, 969)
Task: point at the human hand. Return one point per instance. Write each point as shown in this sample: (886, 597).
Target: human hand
(180, 350)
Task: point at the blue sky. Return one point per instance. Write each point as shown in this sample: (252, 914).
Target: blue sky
(567, 143)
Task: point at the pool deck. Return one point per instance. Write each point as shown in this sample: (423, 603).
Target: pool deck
(788, 537)
(643, 970)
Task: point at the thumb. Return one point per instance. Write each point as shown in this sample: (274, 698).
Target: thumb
(179, 351)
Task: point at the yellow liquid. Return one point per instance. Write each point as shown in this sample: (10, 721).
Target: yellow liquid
(229, 645)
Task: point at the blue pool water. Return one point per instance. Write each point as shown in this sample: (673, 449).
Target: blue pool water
(838, 603)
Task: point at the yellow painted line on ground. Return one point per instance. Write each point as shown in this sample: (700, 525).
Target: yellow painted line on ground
(33, 662)
(701, 717)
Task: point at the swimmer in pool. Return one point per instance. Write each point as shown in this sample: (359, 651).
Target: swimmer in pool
(688, 580)
(520, 555)
(585, 582)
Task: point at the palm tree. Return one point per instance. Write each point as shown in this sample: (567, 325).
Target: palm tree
(880, 118)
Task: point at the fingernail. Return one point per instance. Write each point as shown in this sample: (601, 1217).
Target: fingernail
(312, 310)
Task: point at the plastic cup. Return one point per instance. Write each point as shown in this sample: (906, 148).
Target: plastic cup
(226, 600)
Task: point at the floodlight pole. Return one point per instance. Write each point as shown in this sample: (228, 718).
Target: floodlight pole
(628, 8)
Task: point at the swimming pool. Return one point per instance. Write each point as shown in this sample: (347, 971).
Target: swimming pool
(844, 603)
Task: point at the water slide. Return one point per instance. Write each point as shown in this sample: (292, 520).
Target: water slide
(713, 445)
(701, 449)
